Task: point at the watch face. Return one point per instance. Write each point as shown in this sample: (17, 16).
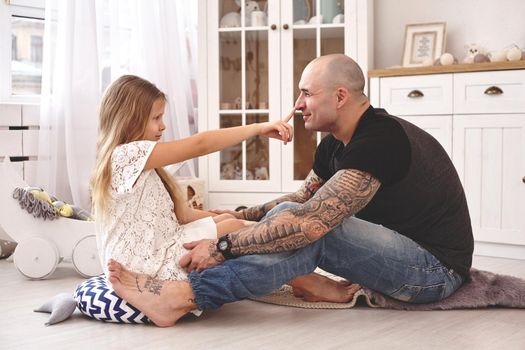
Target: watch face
(223, 245)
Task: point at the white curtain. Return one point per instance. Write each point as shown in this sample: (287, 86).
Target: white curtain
(88, 44)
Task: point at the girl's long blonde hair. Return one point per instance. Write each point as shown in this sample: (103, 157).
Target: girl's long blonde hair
(124, 114)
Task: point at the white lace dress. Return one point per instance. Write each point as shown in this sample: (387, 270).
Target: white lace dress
(142, 232)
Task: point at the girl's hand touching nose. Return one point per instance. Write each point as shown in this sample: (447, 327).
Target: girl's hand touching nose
(280, 129)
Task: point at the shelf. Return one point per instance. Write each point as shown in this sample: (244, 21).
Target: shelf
(454, 68)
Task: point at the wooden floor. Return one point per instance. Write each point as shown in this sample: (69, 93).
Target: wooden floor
(253, 325)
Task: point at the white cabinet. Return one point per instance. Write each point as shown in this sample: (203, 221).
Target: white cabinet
(250, 66)
(19, 137)
(485, 135)
(489, 155)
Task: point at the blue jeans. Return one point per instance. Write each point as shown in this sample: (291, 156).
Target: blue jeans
(365, 253)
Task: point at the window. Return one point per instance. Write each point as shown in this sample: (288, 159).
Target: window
(21, 49)
(26, 64)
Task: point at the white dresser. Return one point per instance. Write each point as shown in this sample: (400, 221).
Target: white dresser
(19, 127)
(477, 112)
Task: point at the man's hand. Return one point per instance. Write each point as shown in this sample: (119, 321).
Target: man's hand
(203, 254)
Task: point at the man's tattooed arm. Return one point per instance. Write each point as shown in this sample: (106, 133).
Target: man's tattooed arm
(311, 184)
(347, 192)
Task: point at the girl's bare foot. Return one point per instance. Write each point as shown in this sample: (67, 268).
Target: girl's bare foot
(315, 287)
(164, 302)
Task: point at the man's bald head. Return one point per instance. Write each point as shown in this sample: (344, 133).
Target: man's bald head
(338, 70)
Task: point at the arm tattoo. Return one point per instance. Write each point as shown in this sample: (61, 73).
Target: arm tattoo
(257, 212)
(347, 192)
(311, 185)
(307, 190)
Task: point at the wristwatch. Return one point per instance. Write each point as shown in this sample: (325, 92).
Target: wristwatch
(224, 246)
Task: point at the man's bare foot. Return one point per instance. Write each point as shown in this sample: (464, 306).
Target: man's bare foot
(315, 287)
(164, 302)
(298, 286)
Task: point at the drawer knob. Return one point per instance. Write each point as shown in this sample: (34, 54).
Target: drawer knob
(415, 94)
(493, 90)
(523, 180)
(273, 26)
(285, 26)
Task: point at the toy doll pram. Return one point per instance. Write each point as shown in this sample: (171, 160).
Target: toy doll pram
(43, 244)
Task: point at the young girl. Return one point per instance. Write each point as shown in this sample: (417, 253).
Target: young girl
(142, 220)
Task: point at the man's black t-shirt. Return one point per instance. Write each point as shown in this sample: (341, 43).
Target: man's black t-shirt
(420, 196)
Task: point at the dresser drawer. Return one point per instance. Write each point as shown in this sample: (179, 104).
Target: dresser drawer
(417, 95)
(489, 92)
(10, 142)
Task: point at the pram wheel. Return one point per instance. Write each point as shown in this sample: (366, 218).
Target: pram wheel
(36, 257)
(85, 257)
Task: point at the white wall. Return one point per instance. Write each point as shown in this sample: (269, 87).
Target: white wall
(489, 23)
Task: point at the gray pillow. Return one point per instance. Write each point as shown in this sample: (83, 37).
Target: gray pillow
(61, 307)
(6, 248)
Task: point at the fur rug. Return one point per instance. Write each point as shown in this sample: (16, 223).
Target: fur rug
(485, 289)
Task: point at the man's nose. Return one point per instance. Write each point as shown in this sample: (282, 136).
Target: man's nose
(299, 104)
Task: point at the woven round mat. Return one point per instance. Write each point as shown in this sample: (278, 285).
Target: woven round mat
(285, 297)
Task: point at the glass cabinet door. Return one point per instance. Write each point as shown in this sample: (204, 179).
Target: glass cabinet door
(315, 28)
(244, 68)
(256, 52)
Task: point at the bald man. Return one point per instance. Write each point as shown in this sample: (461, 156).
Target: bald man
(383, 207)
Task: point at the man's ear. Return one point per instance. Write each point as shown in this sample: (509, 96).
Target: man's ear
(343, 95)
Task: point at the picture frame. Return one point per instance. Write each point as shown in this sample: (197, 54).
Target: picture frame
(423, 41)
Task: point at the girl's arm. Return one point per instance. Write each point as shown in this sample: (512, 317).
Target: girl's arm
(189, 215)
(165, 153)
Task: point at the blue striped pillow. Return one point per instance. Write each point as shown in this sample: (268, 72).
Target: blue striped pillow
(95, 298)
